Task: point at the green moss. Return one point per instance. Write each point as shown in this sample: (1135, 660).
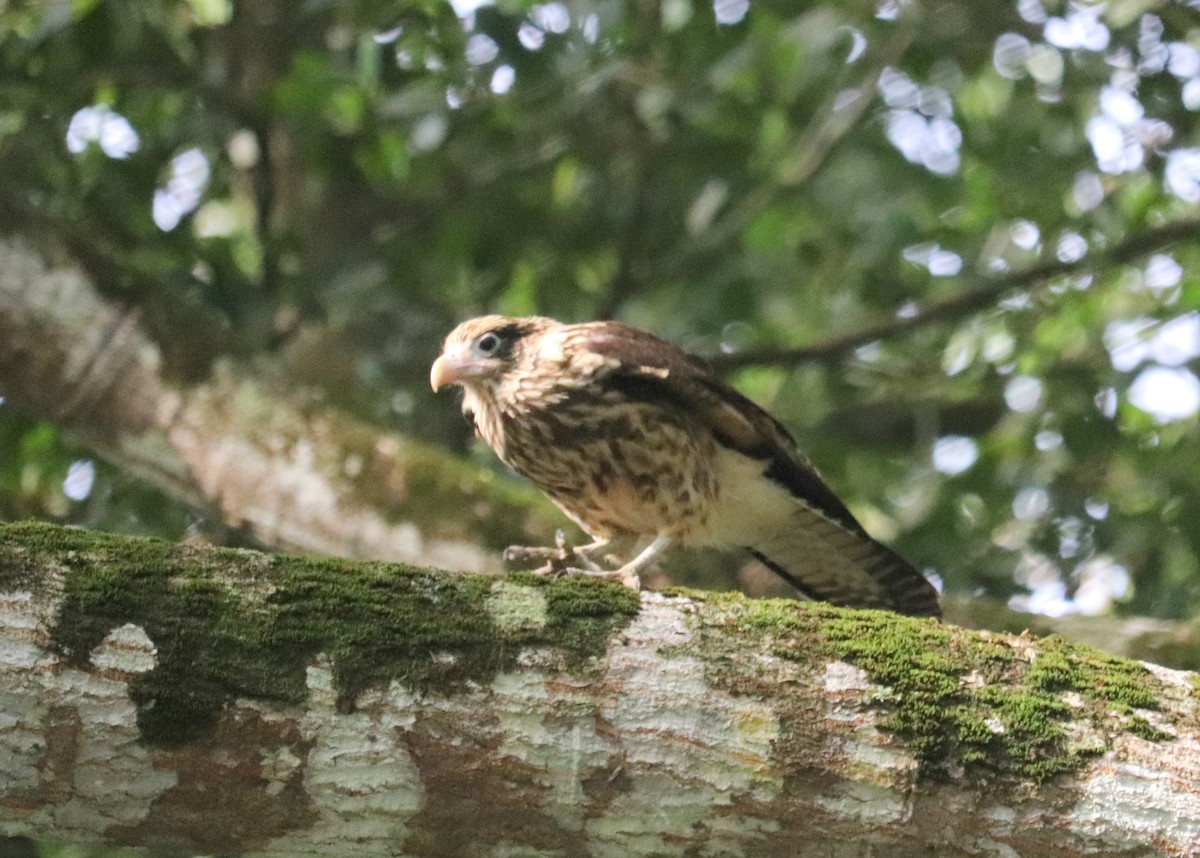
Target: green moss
(238, 623)
(1140, 727)
(966, 702)
(1062, 666)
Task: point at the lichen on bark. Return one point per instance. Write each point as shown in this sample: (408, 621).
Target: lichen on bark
(229, 623)
(970, 704)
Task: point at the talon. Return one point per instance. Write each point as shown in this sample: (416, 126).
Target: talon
(549, 570)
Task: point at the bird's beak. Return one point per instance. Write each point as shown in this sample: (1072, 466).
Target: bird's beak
(441, 373)
(452, 367)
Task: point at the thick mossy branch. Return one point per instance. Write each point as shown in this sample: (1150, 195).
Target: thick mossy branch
(232, 623)
(970, 703)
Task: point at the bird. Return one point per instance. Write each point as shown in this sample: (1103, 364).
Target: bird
(644, 447)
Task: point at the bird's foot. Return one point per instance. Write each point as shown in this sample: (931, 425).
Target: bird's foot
(557, 561)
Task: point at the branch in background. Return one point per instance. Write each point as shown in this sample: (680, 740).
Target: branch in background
(625, 281)
(187, 333)
(297, 474)
(981, 296)
(1172, 643)
(837, 118)
(643, 59)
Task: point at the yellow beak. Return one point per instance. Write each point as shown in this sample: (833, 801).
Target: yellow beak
(457, 365)
(441, 374)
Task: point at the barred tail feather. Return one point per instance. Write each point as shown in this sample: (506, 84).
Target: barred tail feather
(829, 562)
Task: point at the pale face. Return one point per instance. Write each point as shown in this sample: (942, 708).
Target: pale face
(475, 352)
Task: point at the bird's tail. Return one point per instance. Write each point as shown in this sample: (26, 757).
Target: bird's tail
(830, 562)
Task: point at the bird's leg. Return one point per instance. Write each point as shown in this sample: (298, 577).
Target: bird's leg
(606, 553)
(556, 560)
(585, 552)
(630, 573)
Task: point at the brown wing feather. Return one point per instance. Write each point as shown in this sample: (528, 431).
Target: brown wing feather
(655, 370)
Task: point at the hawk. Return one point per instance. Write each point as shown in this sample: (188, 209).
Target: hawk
(642, 446)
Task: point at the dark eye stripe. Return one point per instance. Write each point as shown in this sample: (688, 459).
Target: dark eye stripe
(507, 335)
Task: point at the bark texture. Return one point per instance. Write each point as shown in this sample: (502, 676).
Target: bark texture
(297, 474)
(229, 701)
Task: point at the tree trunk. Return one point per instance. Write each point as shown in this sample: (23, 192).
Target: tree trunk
(226, 701)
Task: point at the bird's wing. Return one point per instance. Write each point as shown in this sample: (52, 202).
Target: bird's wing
(654, 370)
(643, 367)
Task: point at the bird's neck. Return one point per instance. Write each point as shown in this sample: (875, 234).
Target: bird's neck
(485, 409)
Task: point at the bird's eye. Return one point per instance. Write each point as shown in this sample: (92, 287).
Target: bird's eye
(488, 343)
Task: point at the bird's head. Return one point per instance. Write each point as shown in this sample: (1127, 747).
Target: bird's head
(480, 351)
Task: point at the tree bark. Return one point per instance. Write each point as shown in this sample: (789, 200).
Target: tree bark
(226, 701)
(296, 473)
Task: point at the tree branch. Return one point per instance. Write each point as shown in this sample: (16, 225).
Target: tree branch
(218, 701)
(835, 120)
(624, 281)
(984, 294)
(838, 117)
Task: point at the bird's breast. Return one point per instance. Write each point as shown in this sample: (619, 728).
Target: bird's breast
(615, 466)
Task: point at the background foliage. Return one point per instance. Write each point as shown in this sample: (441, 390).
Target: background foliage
(951, 245)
